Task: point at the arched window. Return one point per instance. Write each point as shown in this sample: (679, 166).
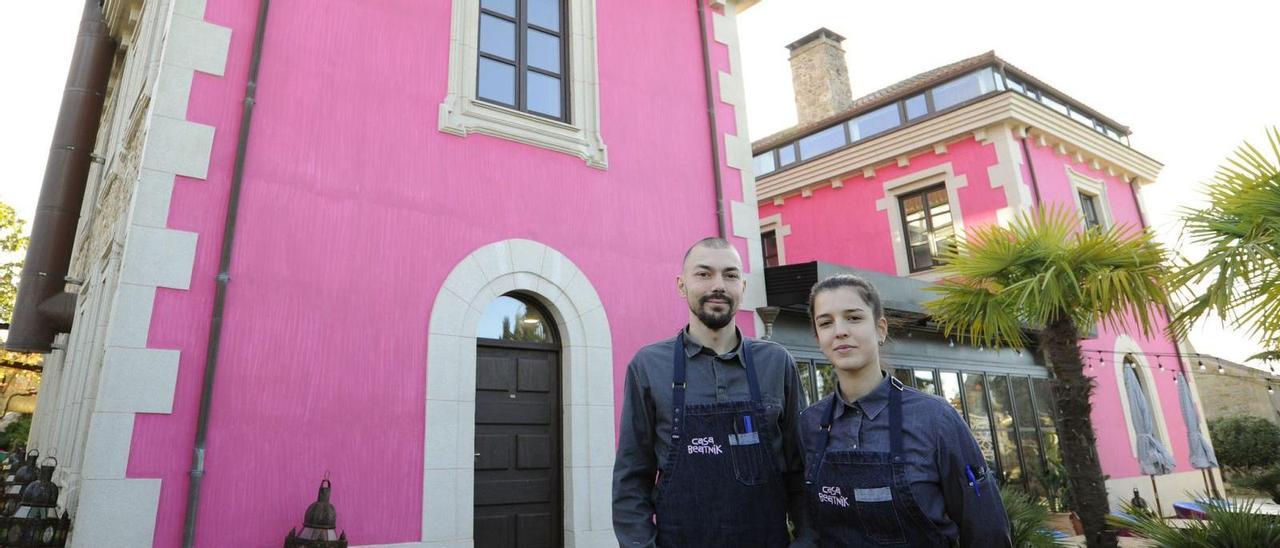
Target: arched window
(516, 319)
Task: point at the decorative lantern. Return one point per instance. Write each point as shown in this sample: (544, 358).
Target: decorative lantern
(36, 523)
(22, 475)
(319, 525)
(10, 465)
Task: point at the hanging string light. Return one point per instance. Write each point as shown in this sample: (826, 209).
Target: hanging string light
(1159, 364)
(1088, 363)
(1220, 369)
(1100, 362)
(1270, 390)
(1201, 362)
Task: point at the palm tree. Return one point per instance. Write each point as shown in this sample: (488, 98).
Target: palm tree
(1042, 273)
(1240, 272)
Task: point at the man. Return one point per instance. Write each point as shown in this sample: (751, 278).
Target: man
(709, 451)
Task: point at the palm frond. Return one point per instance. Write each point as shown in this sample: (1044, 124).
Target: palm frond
(1238, 279)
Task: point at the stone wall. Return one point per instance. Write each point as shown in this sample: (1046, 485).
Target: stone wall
(1238, 390)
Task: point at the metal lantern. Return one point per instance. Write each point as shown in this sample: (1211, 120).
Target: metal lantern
(319, 525)
(10, 465)
(22, 475)
(36, 524)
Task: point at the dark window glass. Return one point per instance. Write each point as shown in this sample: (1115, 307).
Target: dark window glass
(769, 245)
(904, 374)
(786, 155)
(764, 163)
(1006, 432)
(805, 369)
(916, 107)
(876, 121)
(1089, 206)
(1054, 474)
(509, 318)
(975, 388)
(1028, 436)
(925, 381)
(823, 141)
(950, 383)
(825, 379)
(522, 48)
(927, 226)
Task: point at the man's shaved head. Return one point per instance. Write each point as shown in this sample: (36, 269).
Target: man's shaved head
(710, 243)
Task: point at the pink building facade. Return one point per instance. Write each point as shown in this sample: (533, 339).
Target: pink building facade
(407, 165)
(918, 164)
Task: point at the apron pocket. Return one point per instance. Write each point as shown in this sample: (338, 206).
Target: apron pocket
(750, 458)
(878, 515)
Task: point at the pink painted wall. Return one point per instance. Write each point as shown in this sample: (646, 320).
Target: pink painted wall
(354, 210)
(842, 225)
(1113, 440)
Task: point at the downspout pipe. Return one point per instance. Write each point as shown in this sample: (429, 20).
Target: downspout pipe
(711, 116)
(1031, 168)
(43, 307)
(222, 280)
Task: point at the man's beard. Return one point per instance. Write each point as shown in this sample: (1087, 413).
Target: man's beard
(713, 320)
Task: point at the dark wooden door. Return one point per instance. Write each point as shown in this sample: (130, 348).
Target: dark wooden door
(518, 497)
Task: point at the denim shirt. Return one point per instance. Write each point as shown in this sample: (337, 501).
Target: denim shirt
(644, 438)
(937, 445)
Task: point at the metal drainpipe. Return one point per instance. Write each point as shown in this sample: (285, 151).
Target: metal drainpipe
(223, 278)
(43, 308)
(711, 116)
(1031, 167)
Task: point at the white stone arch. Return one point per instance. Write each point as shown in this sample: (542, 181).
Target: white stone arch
(538, 271)
(1127, 346)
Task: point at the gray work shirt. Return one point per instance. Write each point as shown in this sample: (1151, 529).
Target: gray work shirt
(937, 446)
(644, 440)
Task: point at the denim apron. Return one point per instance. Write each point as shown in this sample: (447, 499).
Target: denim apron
(861, 498)
(720, 486)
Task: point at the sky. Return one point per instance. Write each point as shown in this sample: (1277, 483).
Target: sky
(1192, 82)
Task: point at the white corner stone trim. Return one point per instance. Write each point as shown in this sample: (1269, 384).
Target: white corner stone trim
(941, 173)
(744, 214)
(1006, 173)
(462, 114)
(136, 379)
(540, 272)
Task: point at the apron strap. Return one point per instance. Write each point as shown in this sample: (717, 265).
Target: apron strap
(677, 388)
(680, 378)
(895, 426)
(895, 419)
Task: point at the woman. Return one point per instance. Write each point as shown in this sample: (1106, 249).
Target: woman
(886, 464)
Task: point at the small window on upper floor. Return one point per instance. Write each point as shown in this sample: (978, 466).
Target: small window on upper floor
(522, 56)
(927, 226)
(1089, 208)
(527, 71)
(769, 247)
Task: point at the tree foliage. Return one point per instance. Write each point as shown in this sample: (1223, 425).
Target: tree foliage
(1243, 443)
(1238, 279)
(12, 243)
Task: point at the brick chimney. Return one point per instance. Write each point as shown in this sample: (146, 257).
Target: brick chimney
(819, 75)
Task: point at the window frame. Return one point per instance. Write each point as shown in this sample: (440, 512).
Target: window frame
(521, 61)
(923, 193)
(461, 113)
(1094, 188)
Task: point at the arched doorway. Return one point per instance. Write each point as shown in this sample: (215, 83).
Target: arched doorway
(518, 495)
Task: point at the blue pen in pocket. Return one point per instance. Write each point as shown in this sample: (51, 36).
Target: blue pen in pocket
(968, 471)
(746, 421)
